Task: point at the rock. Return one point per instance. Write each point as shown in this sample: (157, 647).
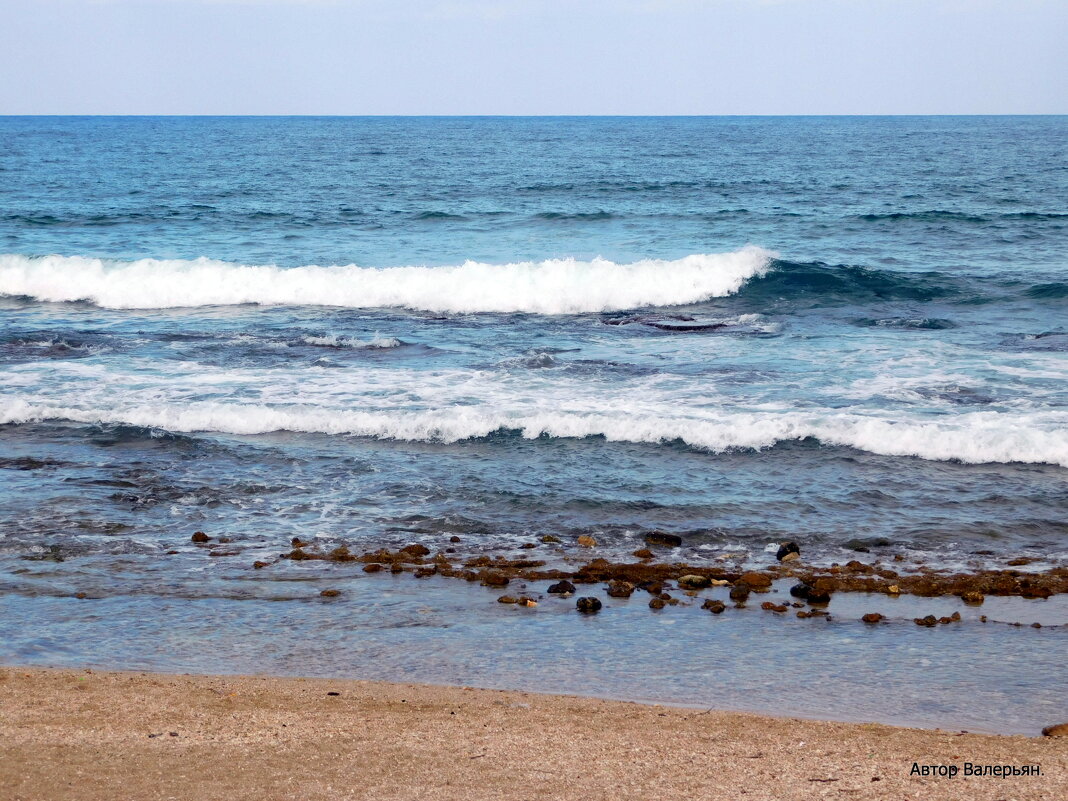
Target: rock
(341, 554)
(526, 602)
(330, 593)
(564, 587)
(657, 603)
(415, 550)
(1023, 560)
(652, 587)
(200, 536)
(756, 581)
(1036, 625)
(298, 543)
(492, 578)
(740, 592)
(893, 589)
(694, 582)
(973, 598)
(644, 553)
(791, 557)
(865, 545)
(426, 572)
(768, 606)
(454, 538)
(787, 548)
(526, 546)
(258, 564)
(872, 617)
(1059, 730)
(620, 589)
(801, 590)
(586, 541)
(550, 538)
(588, 606)
(80, 596)
(714, 606)
(374, 567)
(507, 599)
(663, 538)
(928, 621)
(298, 555)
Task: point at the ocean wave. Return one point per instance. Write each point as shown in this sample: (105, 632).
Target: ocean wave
(973, 438)
(557, 286)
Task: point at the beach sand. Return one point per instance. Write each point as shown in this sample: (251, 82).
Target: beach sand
(89, 735)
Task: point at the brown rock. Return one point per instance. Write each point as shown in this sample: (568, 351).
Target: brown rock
(694, 582)
(787, 548)
(374, 567)
(972, 597)
(1023, 560)
(507, 599)
(644, 553)
(657, 603)
(492, 578)
(586, 541)
(200, 536)
(740, 592)
(663, 538)
(550, 538)
(526, 546)
(341, 554)
(791, 557)
(330, 593)
(756, 581)
(1059, 730)
(620, 589)
(454, 538)
(768, 606)
(714, 606)
(872, 617)
(564, 587)
(415, 550)
(258, 564)
(928, 621)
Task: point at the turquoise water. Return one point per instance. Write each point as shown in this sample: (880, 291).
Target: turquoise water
(377, 331)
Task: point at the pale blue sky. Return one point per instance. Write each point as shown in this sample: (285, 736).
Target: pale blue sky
(533, 56)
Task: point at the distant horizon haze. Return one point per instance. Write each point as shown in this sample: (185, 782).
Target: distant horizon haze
(533, 57)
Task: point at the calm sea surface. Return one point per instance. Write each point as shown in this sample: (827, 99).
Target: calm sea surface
(377, 331)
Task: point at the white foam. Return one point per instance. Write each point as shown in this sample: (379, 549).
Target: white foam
(981, 437)
(340, 341)
(556, 286)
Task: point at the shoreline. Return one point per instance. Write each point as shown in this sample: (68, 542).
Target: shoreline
(90, 734)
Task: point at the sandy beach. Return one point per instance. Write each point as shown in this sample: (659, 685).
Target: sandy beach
(89, 735)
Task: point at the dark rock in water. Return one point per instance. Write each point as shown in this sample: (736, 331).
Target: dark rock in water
(492, 578)
(801, 590)
(644, 553)
(258, 564)
(426, 572)
(550, 538)
(507, 599)
(341, 554)
(454, 538)
(396, 568)
(526, 546)
(330, 593)
(297, 554)
(657, 603)
(972, 598)
(374, 567)
(81, 596)
(1059, 730)
(620, 589)
(1023, 560)
(714, 606)
(663, 538)
(564, 587)
(865, 545)
(415, 550)
(872, 617)
(297, 542)
(588, 606)
(768, 606)
(787, 548)
(818, 597)
(694, 582)
(200, 536)
(1036, 625)
(928, 621)
(652, 587)
(740, 592)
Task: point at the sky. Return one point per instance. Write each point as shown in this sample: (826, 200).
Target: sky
(533, 57)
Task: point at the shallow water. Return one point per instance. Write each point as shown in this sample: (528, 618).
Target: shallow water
(381, 331)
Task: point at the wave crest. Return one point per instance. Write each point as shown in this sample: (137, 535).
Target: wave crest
(557, 286)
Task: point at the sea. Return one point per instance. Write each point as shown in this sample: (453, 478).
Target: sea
(849, 332)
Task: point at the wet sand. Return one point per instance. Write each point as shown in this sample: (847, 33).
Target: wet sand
(90, 735)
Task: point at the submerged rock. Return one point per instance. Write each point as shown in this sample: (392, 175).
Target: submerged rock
(374, 567)
(740, 592)
(801, 590)
(657, 603)
(330, 593)
(872, 617)
(588, 606)
(768, 606)
(928, 621)
(561, 588)
(415, 550)
(663, 538)
(714, 606)
(644, 553)
(549, 538)
(491, 578)
(507, 599)
(620, 589)
(258, 564)
(200, 536)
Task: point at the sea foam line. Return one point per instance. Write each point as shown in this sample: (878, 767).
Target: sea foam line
(556, 286)
(976, 438)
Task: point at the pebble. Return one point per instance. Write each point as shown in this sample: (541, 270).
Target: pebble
(588, 606)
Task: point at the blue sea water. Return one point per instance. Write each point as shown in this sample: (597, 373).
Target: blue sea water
(384, 330)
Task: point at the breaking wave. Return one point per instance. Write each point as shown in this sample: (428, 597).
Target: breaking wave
(557, 286)
(972, 438)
